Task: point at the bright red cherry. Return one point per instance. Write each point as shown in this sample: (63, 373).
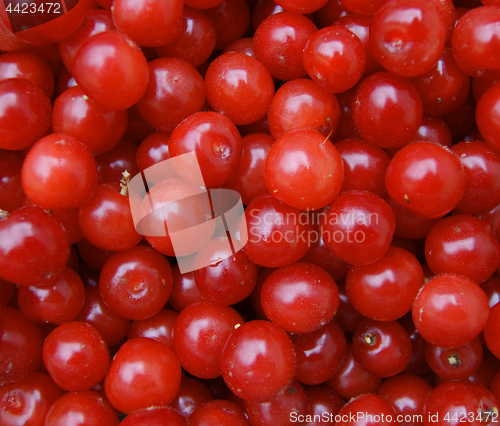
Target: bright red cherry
(111, 70)
(304, 170)
(426, 178)
(59, 172)
(258, 361)
(75, 356)
(450, 310)
(34, 248)
(143, 373)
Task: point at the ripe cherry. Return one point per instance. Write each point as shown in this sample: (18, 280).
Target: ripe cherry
(450, 310)
(258, 361)
(33, 247)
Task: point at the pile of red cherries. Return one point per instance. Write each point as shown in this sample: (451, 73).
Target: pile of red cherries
(363, 137)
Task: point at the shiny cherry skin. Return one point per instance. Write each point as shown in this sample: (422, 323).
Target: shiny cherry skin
(387, 110)
(286, 408)
(408, 224)
(231, 20)
(54, 30)
(175, 205)
(156, 416)
(218, 412)
(136, 283)
(27, 401)
(248, 180)
(95, 22)
(93, 257)
(69, 221)
(175, 91)
(363, 8)
(112, 164)
(110, 326)
(352, 379)
(459, 400)
(11, 190)
(302, 104)
(475, 42)
(450, 310)
(195, 41)
(199, 333)
(216, 141)
(407, 36)
(385, 289)
(21, 342)
(278, 44)
(407, 394)
(383, 348)
(89, 407)
(106, 220)
(334, 58)
(323, 400)
(239, 87)
(300, 298)
(258, 361)
(76, 115)
(34, 248)
(482, 173)
(227, 281)
(491, 331)
(364, 166)
(55, 302)
(319, 254)
(444, 87)
(278, 234)
(158, 327)
(152, 150)
(30, 67)
(372, 406)
(192, 393)
(357, 227)
(426, 178)
(75, 356)
(360, 26)
(149, 22)
(304, 170)
(111, 70)
(25, 116)
(184, 290)
(455, 363)
(143, 373)
(460, 244)
(488, 116)
(319, 353)
(433, 129)
(59, 172)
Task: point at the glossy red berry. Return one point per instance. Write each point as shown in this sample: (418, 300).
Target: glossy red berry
(143, 373)
(450, 310)
(300, 298)
(258, 361)
(75, 356)
(59, 172)
(426, 178)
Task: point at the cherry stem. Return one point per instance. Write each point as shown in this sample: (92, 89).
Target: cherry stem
(125, 180)
(454, 360)
(331, 131)
(371, 339)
